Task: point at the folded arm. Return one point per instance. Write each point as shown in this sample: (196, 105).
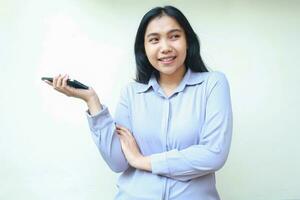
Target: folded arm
(211, 153)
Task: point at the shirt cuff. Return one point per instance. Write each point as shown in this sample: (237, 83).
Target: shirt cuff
(100, 120)
(159, 163)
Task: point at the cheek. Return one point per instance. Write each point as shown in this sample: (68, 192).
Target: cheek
(182, 51)
(184, 55)
(150, 53)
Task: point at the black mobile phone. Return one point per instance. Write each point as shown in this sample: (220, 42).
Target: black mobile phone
(71, 82)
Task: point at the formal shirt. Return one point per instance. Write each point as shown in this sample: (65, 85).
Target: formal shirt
(186, 134)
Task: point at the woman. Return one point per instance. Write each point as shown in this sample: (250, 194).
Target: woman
(172, 127)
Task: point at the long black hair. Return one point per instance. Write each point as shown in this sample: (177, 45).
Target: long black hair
(193, 58)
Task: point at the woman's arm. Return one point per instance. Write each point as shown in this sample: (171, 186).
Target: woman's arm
(206, 157)
(94, 105)
(101, 124)
(211, 153)
(104, 134)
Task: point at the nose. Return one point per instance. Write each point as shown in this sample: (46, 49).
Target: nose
(165, 47)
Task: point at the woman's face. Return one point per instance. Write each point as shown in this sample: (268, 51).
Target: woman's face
(165, 45)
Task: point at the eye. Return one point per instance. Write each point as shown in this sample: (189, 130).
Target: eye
(153, 40)
(174, 37)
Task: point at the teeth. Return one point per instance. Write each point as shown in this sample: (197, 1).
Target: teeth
(167, 59)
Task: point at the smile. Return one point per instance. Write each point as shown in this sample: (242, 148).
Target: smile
(167, 60)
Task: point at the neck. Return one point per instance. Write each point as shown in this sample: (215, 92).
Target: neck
(172, 81)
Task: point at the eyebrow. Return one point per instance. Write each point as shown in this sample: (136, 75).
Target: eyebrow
(171, 31)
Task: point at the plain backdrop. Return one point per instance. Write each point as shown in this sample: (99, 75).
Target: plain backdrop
(46, 151)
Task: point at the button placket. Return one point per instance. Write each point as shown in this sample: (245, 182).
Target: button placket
(167, 105)
(165, 124)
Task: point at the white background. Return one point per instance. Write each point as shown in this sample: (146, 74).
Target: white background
(46, 151)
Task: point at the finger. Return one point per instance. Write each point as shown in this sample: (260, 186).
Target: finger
(64, 81)
(59, 81)
(123, 129)
(120, 132)
(55, 81)
(118, 127)
(127, 132)
(125, 136)
(67, 90)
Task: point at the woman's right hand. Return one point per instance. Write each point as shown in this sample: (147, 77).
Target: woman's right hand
(89, 96)
(60, 84)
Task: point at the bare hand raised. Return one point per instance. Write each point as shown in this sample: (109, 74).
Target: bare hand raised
(60, 84)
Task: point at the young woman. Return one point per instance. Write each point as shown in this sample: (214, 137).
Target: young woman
(172, 127)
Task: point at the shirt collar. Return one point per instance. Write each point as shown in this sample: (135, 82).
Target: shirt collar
(190, 78)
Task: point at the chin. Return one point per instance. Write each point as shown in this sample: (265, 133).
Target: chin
(167, 70)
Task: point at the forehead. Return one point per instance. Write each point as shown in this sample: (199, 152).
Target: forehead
(162, 24)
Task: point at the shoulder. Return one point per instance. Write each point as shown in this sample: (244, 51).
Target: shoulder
(217, 80)
(133, 87)
(216, 76)
(209, 78)
(212, 80)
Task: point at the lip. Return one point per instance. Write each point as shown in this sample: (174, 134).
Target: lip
(167, 59)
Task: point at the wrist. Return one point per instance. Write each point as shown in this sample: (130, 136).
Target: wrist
(143, 163)
(94, 105)
(93, 99)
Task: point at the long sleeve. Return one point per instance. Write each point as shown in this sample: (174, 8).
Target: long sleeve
(102, 127)
(211, 152)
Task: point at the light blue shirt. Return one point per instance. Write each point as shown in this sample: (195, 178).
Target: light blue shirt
(187, 136)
